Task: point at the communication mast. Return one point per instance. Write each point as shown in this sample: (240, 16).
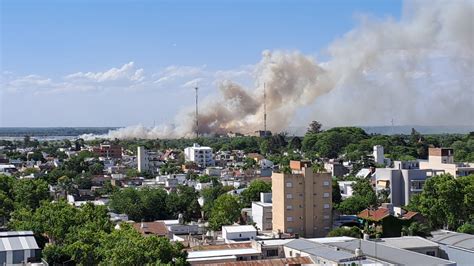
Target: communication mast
(197, 119)
(264, 110)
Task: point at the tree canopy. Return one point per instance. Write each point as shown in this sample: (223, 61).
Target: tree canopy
(446, 201)
(252, 192)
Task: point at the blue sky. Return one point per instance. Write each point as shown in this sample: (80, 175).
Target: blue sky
(43, 42)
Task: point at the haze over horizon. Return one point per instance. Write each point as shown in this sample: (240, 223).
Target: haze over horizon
(102, 64)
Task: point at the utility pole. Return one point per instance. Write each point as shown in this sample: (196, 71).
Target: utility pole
(197, 119)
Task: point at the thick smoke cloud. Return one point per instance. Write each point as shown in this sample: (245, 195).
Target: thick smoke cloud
(419, 70)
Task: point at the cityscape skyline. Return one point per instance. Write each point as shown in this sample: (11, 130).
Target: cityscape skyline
(149, 64)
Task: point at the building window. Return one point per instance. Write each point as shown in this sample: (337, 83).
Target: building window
(289, 184)
(291, 252)
(326, 217)
(289, 230)
(326, 206)
(326, 195)
(431, 253)
(289, 196)
(326, 228)
(272, 253)
(289, 207)
(289, 219)
(326, 183)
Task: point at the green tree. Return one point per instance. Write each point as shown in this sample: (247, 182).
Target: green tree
(416, 229)
(295, 144)
(28, 193)
(210, 195)
(446, 201)
(314, 127)
(226, 211)
(145, 204)
(96, 168)
(336, 193)
(252, 192)
(363, 197)
(184, 201)
(249, 163)
(127, 247)
(345, 231)
(467, 228)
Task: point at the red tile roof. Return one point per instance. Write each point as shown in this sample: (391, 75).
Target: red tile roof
(152, 228)
(408, 215)
(374, 215)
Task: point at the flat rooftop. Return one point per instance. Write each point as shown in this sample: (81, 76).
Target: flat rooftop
(222, 253)
(238, 228)
(408, 242)
(390, 254)
(455, 239)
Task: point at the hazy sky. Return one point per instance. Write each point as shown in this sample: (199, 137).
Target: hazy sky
(120, 63)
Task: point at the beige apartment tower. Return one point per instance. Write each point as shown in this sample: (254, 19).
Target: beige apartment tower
(302, 201)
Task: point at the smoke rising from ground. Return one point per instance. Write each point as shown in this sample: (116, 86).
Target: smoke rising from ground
(419, 70)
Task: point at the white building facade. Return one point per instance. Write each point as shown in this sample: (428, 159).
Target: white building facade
(262, 212)
(202, 156)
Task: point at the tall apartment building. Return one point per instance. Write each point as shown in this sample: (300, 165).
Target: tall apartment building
(443, 159)
(202, 156)
(302, 201)
(148, 161)
(403, 180)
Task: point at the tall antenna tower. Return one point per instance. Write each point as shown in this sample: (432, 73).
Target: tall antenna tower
(197, 119)
(392, 128)
(264, 110)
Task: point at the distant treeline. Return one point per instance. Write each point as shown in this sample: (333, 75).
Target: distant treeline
(52, 131)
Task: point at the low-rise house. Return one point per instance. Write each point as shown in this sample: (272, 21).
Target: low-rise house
(386, 221)
(213, 171)
(157, 228)
(336, 169)
(262, 212)
(200, 186)
(18, 248)
(238, 233)
(346, 188)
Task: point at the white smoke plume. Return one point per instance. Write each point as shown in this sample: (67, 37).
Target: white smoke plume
(418, 70)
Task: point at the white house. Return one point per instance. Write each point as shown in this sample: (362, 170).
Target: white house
(235, 233)
(346, 188)
(202, 156)
(262, 211)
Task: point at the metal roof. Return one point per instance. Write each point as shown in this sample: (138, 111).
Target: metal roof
(408, 242)
(394, 255)
(455, 239)
(17, 240)
(315, 249)
(239, 228)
